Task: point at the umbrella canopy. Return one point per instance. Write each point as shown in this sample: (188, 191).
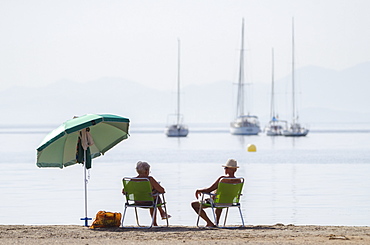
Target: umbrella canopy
(91, 135)
(58, 149)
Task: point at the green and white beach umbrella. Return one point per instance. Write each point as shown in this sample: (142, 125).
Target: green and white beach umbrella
(59, 147)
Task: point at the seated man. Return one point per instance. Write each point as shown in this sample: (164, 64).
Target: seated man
(230, 169)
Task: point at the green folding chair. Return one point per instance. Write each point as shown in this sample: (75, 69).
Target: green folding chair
(227, 196)
(138, 192)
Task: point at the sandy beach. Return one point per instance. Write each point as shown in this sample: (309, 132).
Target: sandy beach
(275, 234)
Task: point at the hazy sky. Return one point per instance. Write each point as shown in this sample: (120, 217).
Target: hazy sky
(42, 42)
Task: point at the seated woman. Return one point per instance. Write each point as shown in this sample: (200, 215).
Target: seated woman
(230, 169)
(143, 169)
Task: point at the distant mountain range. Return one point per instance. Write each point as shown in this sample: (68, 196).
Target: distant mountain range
(323, 96)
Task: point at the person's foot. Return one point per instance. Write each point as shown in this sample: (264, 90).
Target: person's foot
(211, 225)
(166, 216)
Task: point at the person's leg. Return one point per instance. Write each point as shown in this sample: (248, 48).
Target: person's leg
(163, 214)
(218, 215)
(196, 206)
(151, 210)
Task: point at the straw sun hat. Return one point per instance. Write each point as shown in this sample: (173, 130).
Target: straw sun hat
(231, 163)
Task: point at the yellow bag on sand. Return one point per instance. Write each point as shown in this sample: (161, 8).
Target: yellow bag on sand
(106, 219)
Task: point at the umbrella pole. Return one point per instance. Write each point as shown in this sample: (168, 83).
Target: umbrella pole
(85, 180)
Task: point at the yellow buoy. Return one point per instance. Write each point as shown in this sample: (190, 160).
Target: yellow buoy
(251, 148)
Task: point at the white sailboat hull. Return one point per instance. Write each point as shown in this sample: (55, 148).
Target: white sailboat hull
(296, 133)
(272, 131)
(244, 130)
(176, 130)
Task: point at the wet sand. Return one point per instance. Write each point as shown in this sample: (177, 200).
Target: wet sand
(275, 234)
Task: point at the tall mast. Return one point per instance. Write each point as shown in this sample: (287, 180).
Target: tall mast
(272, 110)
(240, 103)
(178, 82)
(293, 75)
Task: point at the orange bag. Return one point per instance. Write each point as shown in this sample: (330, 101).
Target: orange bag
(106, 219)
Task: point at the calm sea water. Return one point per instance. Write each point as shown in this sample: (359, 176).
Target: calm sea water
(320, 179)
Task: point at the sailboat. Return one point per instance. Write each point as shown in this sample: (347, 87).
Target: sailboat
(177, 129)
(243, 124)
(275, 126)
(295, 129)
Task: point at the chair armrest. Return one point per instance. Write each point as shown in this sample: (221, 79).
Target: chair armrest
(157, 194)
(208, 193)
(208, 199)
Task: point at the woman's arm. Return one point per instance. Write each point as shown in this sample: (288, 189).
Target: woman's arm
(155, 185)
